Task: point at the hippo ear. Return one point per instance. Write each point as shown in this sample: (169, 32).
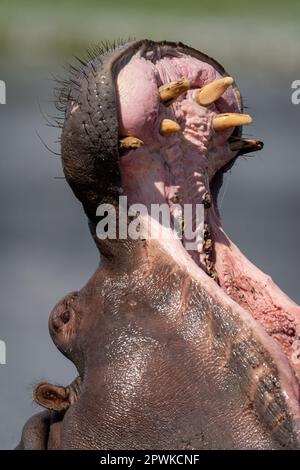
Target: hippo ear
(57, 397)
(64, 325)
(52, 397)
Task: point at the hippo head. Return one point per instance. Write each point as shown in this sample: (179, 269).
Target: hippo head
(178, 344)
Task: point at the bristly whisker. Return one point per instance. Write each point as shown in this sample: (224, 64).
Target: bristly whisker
(47, 147)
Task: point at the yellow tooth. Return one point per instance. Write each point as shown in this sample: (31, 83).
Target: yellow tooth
(170, 91)
(245, 145)
(167, 126)
(224, 121)
(131, 143)
(213, 91)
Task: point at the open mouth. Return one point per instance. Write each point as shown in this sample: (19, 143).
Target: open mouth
(180, 119)
(160, 123)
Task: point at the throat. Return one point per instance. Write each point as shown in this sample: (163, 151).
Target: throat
(172, 182)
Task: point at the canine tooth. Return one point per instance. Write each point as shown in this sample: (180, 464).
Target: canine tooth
(131, 143)
(213, 91)
(167, 126)
(245, 145)
(225, 121)
(170, 91)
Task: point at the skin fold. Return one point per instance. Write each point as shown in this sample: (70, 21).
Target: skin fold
(175, 349)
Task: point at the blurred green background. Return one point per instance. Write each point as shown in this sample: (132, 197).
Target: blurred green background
(253, 33)
(45, 247)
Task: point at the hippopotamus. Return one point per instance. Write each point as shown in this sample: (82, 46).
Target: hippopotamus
(175, 348)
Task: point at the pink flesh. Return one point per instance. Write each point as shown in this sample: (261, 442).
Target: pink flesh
(183, 164)
(256, 292)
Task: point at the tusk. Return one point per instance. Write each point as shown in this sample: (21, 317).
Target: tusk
(224, 121)
(213, 91)
(170, 91)
(245, 145)
(131, 143)
(167, 126)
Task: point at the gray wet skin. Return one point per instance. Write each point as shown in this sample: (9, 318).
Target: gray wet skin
(162, 364)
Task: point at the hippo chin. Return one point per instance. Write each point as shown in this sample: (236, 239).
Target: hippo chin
(175, 348)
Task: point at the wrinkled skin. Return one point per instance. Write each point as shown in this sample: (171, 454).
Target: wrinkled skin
(167, 357)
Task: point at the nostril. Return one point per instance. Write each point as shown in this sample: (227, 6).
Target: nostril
(65, 316)
(64, 323)
(60, 318)
(63, 313)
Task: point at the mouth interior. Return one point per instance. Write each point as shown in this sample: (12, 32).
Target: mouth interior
(179, 168)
